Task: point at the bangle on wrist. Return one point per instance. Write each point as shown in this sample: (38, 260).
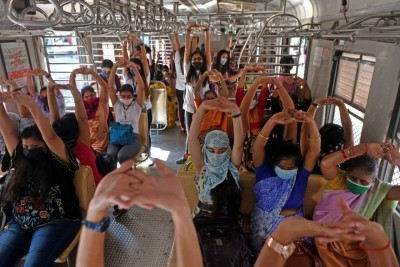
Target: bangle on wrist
(262, 136)
(387, 245)
(315, 104)
(345, 156)
(48, 75)
(236, 115)
(314, 138)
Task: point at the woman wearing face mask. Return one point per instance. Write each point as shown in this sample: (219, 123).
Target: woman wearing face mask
(366, 195)
(106, 66)
(45, 214)
(127, 111)
(196, 64)
(222, 64)
(142, 64)
(97, 109)
(217, 182)
(281, 175)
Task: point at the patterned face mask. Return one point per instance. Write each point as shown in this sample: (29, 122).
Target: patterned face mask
(216, 139)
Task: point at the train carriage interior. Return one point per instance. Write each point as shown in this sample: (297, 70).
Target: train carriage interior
(345, 49)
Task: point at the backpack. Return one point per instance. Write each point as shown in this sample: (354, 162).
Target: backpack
(105, 163)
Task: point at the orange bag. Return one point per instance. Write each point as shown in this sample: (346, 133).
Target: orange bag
(343, 254)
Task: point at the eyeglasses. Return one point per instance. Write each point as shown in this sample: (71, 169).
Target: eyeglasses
(217, 150)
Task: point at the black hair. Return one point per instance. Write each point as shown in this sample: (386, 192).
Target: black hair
(126, 88)
(28, 171)
(287, 60)
(211, 92)
(332, 138)
(165, 67)
(287, 150)
(158, 76)
(106, 63)
(67, 128)
(138, 62)
(192, 75)
(182, 55)
(217, 64)
(363, 162)
(148, 49)
(226, 198)
(87, 88)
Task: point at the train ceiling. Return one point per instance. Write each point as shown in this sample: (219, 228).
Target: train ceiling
(168, 16)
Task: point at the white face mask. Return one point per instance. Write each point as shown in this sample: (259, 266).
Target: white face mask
(126, 102)
(253, 103)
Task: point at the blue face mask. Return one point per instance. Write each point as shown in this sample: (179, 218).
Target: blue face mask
(285, 174)
(223, 61)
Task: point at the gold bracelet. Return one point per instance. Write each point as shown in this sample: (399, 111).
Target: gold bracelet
(314, 139)
(262, 136)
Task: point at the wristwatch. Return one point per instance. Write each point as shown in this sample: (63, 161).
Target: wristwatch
(284, 251)
(99, 227)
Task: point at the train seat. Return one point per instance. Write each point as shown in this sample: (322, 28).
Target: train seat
(315, 188)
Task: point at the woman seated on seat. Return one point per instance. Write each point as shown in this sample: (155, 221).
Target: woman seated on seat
(333, 136)
(217, 182)
(45, 214)
(281, 175)
(96, 108)
(364, 194)
(127, 111)
(73, 129)
(352, 227)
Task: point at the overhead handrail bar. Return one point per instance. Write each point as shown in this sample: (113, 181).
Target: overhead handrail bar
(31, 23)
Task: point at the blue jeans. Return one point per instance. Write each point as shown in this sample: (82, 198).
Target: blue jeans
(41, 245)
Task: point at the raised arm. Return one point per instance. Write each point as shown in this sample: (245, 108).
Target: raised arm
(111, 80)
(177, 45)
(53, 107)
(261, 141)
(53, 142)
(140, 83)
(80, 111)
(103, 94)
(125, 55)
(329, 162)
(186, 58)
(7, 127)
(29, 83)
(194, 144)
(238, 134)
(207, 46)
(346, 122)
(199, 85)
(246, 102)
(313, 140)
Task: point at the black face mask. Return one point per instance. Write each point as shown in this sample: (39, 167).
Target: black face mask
(197, 65)
(35, 153)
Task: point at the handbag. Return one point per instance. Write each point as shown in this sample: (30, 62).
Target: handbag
(343, 254)
(249, 139)
(304, 255)
(105, 162)
(121, 134)
(5, 210)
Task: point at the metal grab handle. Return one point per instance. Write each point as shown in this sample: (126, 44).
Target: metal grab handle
(86, 13)
(34, 24)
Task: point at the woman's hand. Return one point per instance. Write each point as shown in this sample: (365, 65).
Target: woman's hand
(283, 118)
(374, 150)
(228, 106)
(5, 96)
(213, 104)
(133, 38)
(22, 98)
(38, 72)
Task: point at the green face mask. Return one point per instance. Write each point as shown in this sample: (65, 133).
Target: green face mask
(355, 188)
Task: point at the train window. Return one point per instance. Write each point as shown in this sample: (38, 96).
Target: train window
(357, 118)
(354, 78)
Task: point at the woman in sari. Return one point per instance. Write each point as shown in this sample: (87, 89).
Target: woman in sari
(370, 197)
(281, 175)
